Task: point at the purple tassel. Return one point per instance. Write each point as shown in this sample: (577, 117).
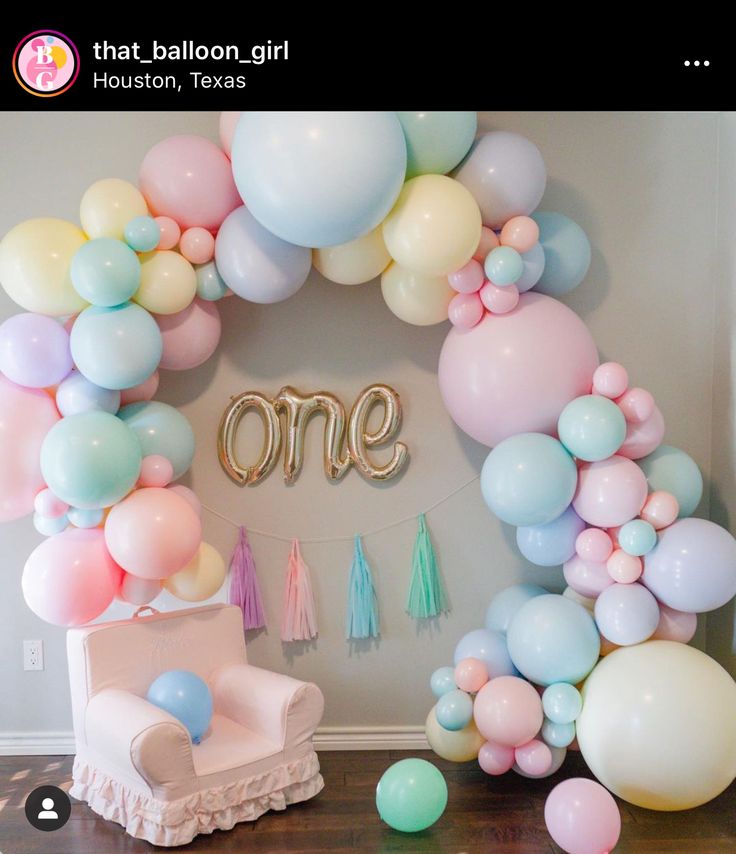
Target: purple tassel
(244, 588)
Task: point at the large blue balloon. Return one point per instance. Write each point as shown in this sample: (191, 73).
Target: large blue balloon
(672, 470)
(436, 140)
(505, 604)
(163, 430)
(528, 479)
(551, 544)
(487, 646)
(257, 265)
(319, 178)
(184, 695)
(566, 253)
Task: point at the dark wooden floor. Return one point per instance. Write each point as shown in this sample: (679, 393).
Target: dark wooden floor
(499, 815)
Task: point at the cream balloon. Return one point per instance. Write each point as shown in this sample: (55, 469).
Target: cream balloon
(434, 227)
(108, 206)
(461, 745)
(35, 258)
(201, 578)
(415, 297)
(355, 262)
(658, 726)
(168, 282)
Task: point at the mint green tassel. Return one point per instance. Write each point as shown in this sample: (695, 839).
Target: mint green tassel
(362, 619)
(427, 596)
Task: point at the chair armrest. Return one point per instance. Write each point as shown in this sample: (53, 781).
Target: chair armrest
(281, 709)
(139, 738)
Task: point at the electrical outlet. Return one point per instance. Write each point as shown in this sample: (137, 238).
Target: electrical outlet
(32, 655)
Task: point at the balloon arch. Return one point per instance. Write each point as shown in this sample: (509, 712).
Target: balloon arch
(577, 461)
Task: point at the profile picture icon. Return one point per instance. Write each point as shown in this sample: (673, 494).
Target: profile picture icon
(48, 808)
(48, 811)
(46, 63)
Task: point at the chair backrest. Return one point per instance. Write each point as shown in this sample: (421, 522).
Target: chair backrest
(130, 654)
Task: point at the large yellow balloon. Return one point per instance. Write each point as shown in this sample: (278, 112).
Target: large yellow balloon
(658, 726)
(434, 227)
(168, 282)
(34, 265)
(414, 297)
(462, 745)
(355, 262)
(201, 578)
(108, 206)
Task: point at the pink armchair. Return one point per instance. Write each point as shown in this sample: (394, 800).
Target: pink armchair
(136, 764)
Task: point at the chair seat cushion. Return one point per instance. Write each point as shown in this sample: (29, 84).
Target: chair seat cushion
(227, 745)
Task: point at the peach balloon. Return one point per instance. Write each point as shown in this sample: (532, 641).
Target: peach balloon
(610, 492)
(471, 674)
(228, 123)
(145, 391)
(191, 336)
(593, 544)
(610, 380)
(623, 567)
(153, 533)
(156, 471)
(675, 625)
(660, 510)
(607, 647)
(170, 232)
(487, 243)
(138, 591)
(508, 710)
(520, 233)
(197, 245)
(201, 578)
(637, 405)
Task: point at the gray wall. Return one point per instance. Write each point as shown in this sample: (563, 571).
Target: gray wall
(645, 188)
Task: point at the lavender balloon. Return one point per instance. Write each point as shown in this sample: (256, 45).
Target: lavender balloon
(626, 614)
(34, 350)
(77, 394)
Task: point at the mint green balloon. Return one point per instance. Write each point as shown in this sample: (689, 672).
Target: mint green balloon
(637, 537)
(91, 460)
(411, 795)
(210, 284)
(161, 429)
(672, 470)
(436, 140)
(105, 271)
(592, 428)
(557, 735)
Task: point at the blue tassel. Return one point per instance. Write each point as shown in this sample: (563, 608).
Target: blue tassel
(427, 596)
(362, 618)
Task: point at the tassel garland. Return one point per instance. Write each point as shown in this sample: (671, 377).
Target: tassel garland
(362, 617)
(299, 615)
(244, 588)
(427, 596)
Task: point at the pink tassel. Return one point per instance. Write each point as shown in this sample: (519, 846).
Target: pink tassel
(299, 617)
(244, 588)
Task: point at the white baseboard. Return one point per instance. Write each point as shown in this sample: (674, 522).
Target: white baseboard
(326, 738)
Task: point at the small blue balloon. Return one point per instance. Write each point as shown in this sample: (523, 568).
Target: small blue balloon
(504, 266)
(557, 735)
(184, 695)
(551, 544)
(105, 271)
(505, 604)
(637, 537)
(47, 526)
(528, 479)
(566, 252)
(454, 710)
(210, 284)
(489, 647)
(443, 681)
(533, 268)
(85, 518)
(562, 703)
(672, 470)
(142, 233)
(76, 394)
(592, 427)
(163, 430)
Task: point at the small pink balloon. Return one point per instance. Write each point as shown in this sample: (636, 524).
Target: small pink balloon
(465, 310)
(586, 577)
(499, 300)
(145, 391)
(623, 567)
(468, 279)
(170, 232)
(520, 233)
(637, 405)
(189, 337)
(593, 544)
(138, 591)
(582, 817)
(508, 710)
(228, 123)
(675, 625)
(156, 470)
(534, 757)
(496, 759)
(197, 245)
(189, 496)
(46, 504)
(661, 509)
(488, 242)
(610, 492)
(471, 674)
(610, 380)
(643, 437)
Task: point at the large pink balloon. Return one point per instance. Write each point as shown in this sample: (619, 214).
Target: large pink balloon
(516, 372)
(508, 711)
(191, 336)
(189, 179)
(71, 578)
(610, 492)
(153, 533)
(26, 416)
(582, 817)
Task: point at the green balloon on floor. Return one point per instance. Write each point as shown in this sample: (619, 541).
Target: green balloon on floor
(411, 795)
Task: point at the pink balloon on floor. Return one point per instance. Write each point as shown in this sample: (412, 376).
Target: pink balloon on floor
(26, 416)
(189, 337)
(643, 437)
(138, 393)
(228, 123)
(675, 625)
(496, 759)
(610, 492)
(156, 471)
(582, 817)
(516, 372)
(71, 577)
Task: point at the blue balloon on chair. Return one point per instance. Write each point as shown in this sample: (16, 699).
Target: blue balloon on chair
(186, 697)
